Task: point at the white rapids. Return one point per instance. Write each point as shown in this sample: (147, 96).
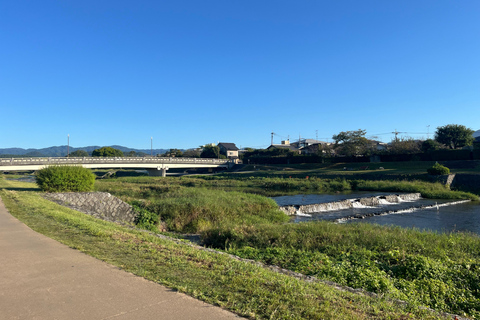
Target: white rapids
(367, 202)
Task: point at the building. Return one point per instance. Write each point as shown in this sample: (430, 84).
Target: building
(303, 143)
(284, 146)
(230, 150)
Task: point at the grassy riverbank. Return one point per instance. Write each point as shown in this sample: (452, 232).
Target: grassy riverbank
(407, 168)
(441, 271)
(242, 287)
(399, 263)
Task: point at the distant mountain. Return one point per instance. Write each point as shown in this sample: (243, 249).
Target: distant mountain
(61, 151)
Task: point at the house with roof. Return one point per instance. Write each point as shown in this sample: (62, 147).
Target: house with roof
(303, 143)
(476, 135)
(310, 146)
(230, 150)
(285, 145)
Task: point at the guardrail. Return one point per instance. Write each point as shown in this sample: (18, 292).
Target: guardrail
(101, 160)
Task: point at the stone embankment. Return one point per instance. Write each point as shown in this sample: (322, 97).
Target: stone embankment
(100, 205)
(349, 203)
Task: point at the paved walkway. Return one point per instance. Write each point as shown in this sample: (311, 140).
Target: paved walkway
(43, 279)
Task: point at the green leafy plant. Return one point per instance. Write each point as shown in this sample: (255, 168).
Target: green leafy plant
(145, 219)
(438, 169)
(65, 179)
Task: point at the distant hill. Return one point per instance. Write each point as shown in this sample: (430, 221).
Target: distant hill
(61, 151)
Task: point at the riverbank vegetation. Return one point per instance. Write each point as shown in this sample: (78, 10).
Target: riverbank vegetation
(423, 268)
(130, 188)
(233, 214)
(242, 287)
(441, 271)
(419, 267)
(65, 179)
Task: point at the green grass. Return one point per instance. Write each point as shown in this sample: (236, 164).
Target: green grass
(192, 210)
(149, 187)
(427, 189)
(194, 204)
(241, 287)
(441, 271)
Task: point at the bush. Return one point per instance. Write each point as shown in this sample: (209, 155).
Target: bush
(65, 179)
(438, 169)
(145, 219)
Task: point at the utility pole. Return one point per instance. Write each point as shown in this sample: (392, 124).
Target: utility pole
(272, 139)
(396, 134)
(428, 132)
(68, 145)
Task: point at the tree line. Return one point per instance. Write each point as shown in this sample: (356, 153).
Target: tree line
(346, 144)
(351, 144)
(354, 143)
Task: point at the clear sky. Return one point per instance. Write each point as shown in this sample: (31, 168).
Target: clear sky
(187, 73)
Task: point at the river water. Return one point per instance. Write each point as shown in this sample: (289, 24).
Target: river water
(427, 214)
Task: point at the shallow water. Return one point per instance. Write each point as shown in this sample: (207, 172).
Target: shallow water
(460, 217)
(456, 217)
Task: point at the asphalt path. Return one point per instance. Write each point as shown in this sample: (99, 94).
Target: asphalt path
(41, 278)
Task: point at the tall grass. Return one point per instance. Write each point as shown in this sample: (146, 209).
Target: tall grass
(192, 210)
(427, 189)
(194, 204)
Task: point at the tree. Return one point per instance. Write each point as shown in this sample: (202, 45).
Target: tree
(454, 136)
(79, 153)
(192, 153)
(107, 152)
(351, 143)
(173, 153)
(430, 145)
(405, 145)
(211, 151)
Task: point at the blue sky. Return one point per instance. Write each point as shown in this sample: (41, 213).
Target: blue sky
(189, 73)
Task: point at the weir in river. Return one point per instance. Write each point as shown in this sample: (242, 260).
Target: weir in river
(349, 203)
(365, 207)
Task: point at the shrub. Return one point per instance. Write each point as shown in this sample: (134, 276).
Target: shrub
(145, 219)
(65, 179)
(438, 169)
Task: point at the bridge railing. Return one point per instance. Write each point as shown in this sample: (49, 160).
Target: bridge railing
(101, 160)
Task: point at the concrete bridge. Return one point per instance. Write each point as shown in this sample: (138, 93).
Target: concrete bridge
(155, 166)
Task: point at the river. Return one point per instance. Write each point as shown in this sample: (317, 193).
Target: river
(427, 214)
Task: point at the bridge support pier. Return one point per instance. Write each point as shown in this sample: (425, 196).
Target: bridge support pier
(158, 172)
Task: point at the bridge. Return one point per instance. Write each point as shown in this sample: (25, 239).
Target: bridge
(156, 166)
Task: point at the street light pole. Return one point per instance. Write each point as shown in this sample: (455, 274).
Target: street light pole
(151, 146)
(68, 145)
